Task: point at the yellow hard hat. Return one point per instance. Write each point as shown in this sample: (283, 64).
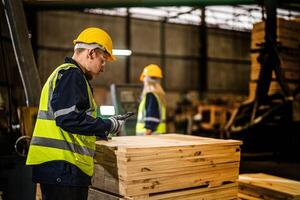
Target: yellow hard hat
(151, 70)
(98, 36)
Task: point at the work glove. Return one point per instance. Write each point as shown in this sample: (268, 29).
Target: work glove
(117, 122)
(116, 125)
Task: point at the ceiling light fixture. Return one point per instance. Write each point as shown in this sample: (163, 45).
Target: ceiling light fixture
(121, 52)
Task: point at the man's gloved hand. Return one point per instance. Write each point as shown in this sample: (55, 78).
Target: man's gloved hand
(117, 122)
(116, 125)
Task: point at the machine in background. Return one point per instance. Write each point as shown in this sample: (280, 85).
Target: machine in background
(126, 98)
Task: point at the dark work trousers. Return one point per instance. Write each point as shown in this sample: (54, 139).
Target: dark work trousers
(60, 192)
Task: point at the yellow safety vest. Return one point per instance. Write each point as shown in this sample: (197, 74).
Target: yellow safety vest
(50, 142)
(141, 119)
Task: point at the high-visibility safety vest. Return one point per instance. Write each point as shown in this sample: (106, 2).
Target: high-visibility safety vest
(50, 142)
(141, 119)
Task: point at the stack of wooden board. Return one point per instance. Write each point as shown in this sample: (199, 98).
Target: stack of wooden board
(287, 33)
(166, 167)
(264, 186)
(289, 55)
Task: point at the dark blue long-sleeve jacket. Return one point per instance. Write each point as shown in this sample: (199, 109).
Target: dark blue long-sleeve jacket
(70, 90)
(152, 110)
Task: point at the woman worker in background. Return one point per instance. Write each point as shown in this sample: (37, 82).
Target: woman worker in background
(152, 109)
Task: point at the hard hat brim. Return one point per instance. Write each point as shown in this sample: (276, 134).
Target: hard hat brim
(112, 58)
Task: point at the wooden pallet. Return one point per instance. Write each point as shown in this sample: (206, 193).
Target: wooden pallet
(142, 165)
(264, 186)
(222, 192)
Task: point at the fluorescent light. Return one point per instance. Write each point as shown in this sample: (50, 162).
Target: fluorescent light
(122, 52)
(107, 110)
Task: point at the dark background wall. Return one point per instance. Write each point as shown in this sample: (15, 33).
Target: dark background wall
(228, 52)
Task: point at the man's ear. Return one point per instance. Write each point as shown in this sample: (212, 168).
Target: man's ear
(90, 53)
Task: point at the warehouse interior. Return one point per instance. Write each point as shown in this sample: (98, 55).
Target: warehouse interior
(231, 70)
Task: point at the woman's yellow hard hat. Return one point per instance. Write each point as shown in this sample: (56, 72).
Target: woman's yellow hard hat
(151, 70)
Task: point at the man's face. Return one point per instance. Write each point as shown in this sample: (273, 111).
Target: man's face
(96, 60)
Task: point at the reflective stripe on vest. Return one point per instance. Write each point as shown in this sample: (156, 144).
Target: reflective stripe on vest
(141, 119)
(50, 142)
(61, 144)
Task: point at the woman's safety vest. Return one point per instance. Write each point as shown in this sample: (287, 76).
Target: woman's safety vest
(50, 142)
(141, 119)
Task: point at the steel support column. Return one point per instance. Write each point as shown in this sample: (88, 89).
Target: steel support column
(203, 55)
(163, 50)
(31, 16)
(267, 57)
(128, 46)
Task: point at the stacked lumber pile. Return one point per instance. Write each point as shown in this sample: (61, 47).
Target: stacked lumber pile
(287, 33)
(264, 186)
(168, 166)
(289, 53)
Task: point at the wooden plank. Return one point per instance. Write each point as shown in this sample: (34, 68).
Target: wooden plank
(143, 144)
(181, 162)
(177, 171)
(179, 153)
(223, 192)
(148, 182)
(243, 196)
(160, 165)
(95, 194)
(160, 184)
(105, 179)
(268, 186)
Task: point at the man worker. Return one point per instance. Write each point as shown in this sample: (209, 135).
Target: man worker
(63, 142)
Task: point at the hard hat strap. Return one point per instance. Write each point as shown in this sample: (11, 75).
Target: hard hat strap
(151, 79)
(88, 46)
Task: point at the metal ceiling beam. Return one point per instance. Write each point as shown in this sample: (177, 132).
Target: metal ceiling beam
(80, 4)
